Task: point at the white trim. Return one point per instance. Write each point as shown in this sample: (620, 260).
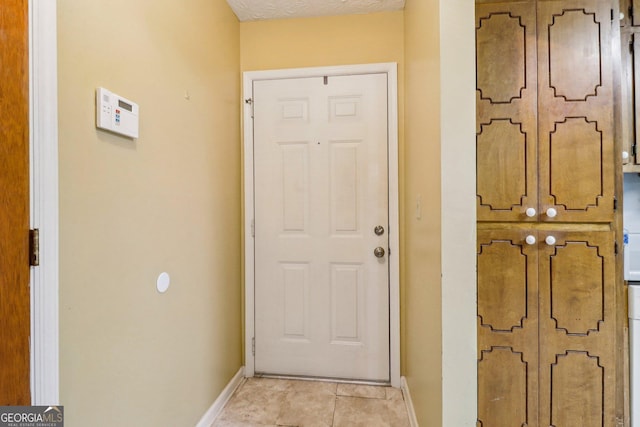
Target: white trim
(390, 68)
(216, 408)
(44, 201)
(413, 420)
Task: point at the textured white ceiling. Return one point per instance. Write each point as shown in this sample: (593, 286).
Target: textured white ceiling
(253, 10)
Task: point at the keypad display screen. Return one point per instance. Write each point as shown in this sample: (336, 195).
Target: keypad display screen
(124, 105)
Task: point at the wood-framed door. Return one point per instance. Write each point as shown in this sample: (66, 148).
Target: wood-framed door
(15, 300)
(390, 69)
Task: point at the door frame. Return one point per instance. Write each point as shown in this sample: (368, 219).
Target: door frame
(43, 159)
(390, 69)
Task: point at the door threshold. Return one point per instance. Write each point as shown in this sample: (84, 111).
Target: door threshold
(323, 379)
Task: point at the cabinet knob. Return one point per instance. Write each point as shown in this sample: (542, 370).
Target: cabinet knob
(552, 212)
(531, 240)
(531, 212)
(625, 155)
(550, 240)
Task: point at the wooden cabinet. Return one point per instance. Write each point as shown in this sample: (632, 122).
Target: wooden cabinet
(578, 304)
(549, 297)
(546, 327)
(545, 134)
(630, 60)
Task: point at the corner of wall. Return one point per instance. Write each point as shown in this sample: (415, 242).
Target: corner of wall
(459, 343)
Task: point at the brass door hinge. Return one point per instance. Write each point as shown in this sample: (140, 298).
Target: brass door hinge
(34, 247)
(249, 101)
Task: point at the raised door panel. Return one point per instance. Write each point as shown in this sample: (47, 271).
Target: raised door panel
(507, 329)
(576, 133)
(504, 388)
(506, 87)
(577, 329)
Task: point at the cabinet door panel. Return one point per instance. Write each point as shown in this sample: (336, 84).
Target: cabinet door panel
(501, 42)
(636, 12)
(575, 165)
(506, 111)
(507, 329)
(577, 329)
(577, 391)
(503, 387)
(636, 86)
(575, 101)
(574, 44)
(502, 146)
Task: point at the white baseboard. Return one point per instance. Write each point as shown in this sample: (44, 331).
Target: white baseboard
(413, 421)
(210, 416)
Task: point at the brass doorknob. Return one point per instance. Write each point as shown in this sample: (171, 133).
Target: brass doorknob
(378, 252)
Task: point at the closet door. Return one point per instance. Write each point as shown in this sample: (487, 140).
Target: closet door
(577, 329)
(507, 328)
(506, 111)
(575, 113)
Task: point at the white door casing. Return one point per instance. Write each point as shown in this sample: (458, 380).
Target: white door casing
(322, 299)
(43, 90)
(342, 331)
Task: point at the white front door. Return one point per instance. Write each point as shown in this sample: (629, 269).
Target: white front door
(321, 193)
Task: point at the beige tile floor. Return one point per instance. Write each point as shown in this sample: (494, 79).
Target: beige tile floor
(261, 402)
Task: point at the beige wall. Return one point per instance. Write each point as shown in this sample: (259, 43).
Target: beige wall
(423, 340)
(314, 42)
(169, 201)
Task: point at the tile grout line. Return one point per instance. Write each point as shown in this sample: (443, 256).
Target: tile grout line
(335, 405)
(363, 397)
